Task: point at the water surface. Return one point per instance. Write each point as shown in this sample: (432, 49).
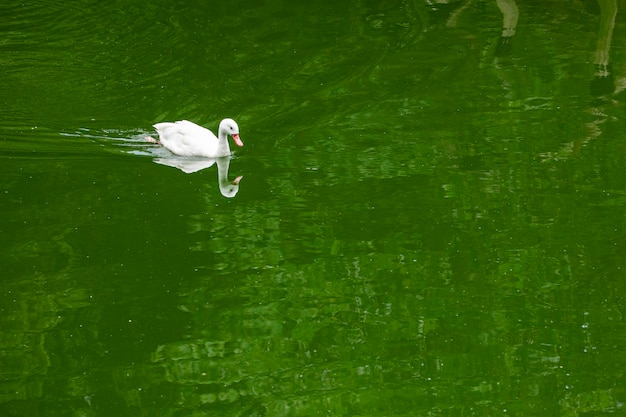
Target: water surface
(430, 220)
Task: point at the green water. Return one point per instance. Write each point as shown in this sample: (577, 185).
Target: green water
(430, 221)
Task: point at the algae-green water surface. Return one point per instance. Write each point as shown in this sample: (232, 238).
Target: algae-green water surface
(431, 219)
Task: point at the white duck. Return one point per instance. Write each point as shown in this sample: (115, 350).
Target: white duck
(185, 138)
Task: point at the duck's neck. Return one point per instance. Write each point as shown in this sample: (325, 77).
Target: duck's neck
(222, 145)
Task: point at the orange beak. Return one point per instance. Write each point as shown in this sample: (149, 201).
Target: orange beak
(237, 139)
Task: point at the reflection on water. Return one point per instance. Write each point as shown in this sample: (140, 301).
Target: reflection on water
(430, 223)
(603, 77)
(188, 165)
(510, 16)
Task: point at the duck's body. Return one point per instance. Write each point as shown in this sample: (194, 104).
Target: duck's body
(185, 138)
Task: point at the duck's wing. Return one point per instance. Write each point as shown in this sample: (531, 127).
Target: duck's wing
(186, 138)
(192, 130)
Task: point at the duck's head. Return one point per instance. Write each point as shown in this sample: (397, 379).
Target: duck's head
(229, 127)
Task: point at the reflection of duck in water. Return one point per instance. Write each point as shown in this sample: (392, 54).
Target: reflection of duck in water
(188, 165)
(185, 138)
